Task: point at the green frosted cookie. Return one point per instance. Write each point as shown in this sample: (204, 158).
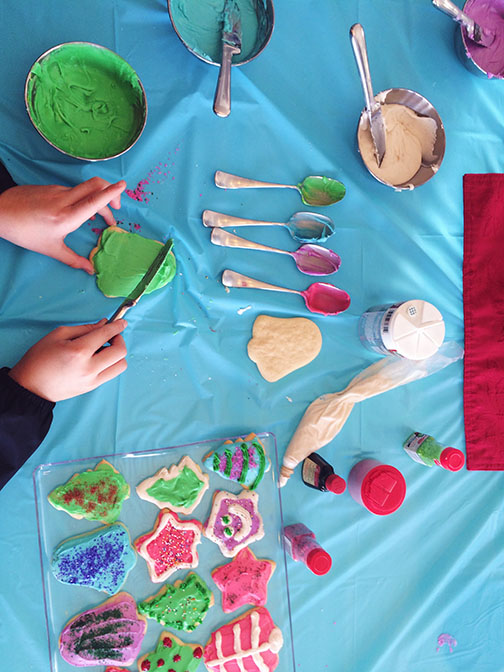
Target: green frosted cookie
(95, 494)
(181, 606)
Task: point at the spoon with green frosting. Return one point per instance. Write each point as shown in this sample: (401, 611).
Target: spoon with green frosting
(314, 189)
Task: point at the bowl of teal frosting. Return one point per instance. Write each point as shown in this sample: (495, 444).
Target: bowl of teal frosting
(86, 101)
(198, 24)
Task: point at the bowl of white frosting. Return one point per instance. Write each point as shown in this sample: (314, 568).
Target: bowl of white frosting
(415, 140)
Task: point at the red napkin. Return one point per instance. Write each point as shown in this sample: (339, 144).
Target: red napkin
(483, 278)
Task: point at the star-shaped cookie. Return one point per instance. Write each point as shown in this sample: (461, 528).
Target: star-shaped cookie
(171, 545)
(244, 580)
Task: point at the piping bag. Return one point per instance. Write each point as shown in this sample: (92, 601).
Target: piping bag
(324, 417)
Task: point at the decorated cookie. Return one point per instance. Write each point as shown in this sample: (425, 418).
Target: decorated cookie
(180, 487)
(243, 461)
(250, 643)
(171, 655)
(121, 259)
(116, 669)
(100, 559)
(244, 580)
(281, 345)
(170, 546)
(108, 634)
(182, 606)
(234, 521)
(95, 494)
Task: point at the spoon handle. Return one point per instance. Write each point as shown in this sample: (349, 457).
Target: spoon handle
(219, 220)
(229, 181)
(233, 279)
(360, 52)
(225, 239)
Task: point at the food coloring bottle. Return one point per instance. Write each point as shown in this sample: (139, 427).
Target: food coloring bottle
(301, 545)
(426, 450)
(317, 473)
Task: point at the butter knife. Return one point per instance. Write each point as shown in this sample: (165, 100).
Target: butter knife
(231, 44)
(139, 290)
(482, 36)
(376, 123)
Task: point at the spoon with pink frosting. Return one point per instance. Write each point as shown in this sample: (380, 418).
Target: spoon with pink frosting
(320, 297)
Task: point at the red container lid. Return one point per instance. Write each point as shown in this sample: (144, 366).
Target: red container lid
(383, 489)
(336, 484)
(452, 459)
(319, 561)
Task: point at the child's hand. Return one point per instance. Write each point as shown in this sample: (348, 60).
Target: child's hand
(65, 363)
(39, 217)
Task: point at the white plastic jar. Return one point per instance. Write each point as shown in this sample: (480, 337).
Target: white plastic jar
(412, 329)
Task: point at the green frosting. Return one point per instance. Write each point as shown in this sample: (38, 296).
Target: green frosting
(180, 491)
(86, 100)
(317, 190)
(182, 606)
(200, 22)
(122, 259)
(95, 494)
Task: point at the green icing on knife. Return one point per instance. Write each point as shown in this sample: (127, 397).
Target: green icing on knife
(86, 100)
(122, 259)
(180, 491)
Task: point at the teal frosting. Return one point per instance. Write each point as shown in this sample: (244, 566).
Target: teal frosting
(242, 461)
(200, 22)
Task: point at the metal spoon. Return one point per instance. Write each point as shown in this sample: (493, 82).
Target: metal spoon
(314, 189)
(303, 226)
(310, 259)
(482, 36)
(320, 297)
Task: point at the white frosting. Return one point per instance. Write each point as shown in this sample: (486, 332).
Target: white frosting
(245, 518)
(409, 141)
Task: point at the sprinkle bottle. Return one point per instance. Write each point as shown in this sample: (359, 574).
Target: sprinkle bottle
(318, 473)
(425, 449)
(302, 546)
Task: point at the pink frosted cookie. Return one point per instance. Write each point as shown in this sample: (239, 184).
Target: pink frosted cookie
(171, 545)
(108, 634)
(249, 643)
(116, 669)
(234, 521)
(179, 488)
(244, 580)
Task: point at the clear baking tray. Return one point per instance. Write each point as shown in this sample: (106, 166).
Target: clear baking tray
(63, 602)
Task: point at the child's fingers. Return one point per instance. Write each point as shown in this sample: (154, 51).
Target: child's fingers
(111, 372)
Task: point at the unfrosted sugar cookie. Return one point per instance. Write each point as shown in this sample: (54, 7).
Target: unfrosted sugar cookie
(121, 259)
(249, 643)
(100, 559)
(244, 580)
(181, 606)
(171, 655)
(179, 488)
(281, 345)
(171, 545)
(109, 634)
(234, 522)
(244, 461)
(95, 494)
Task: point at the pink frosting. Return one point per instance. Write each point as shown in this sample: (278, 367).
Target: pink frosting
(488, 14)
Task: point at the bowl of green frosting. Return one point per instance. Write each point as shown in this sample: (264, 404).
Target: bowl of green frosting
(86, 101)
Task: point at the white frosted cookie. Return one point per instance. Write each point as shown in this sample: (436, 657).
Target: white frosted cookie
(234, 521)
(179, 488)
(281, 345)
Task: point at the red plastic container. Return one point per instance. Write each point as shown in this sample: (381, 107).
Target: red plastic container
(380, 488)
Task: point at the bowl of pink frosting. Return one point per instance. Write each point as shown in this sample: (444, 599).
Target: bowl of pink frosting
(480, 60)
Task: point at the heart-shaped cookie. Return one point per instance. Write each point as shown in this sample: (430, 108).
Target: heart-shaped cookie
(281, 345)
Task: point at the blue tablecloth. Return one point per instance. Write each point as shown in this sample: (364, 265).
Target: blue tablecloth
(437, 565)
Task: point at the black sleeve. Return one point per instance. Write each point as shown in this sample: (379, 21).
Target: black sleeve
(25, 419)
(6, 181)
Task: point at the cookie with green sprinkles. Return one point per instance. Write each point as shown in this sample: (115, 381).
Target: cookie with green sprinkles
(243, 461)
(171, 655)
(181, 606)
(95, 494)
